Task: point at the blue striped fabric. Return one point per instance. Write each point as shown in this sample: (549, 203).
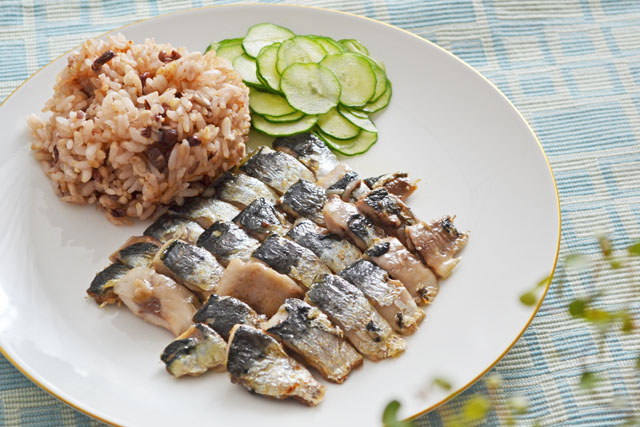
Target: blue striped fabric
(572, 67)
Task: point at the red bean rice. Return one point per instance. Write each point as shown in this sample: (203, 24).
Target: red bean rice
(115, 115)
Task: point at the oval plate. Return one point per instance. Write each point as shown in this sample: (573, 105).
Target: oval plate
(446, 125)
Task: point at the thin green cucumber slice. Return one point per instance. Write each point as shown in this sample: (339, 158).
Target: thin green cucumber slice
(353, 45)
(286, 118)
(285, 128)
(358, 145)
(269, 103)
(212, 46)
(356, 76)
(299, 49)
(381, 79)
(266, 61)
(330, 45)
(310, 88)
(334, 124)
(360, 122)
(381, 103)
(357, 113)
(261, 35)
(230, 49)
(246, 67)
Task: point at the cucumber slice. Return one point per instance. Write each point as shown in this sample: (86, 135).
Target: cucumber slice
(362, 123)
(381, 103)
(357, 79)
(299, 49)
(262, 35)
(381, 79)
(353, 45)
(246, 67)
(230, 49)
(310, 88)
(266, 61)
(330, 45)
(334, 124)
(212, 46)
(286, 118)
(283, 129)
(269, 103)
(357, 113)
(353, 146)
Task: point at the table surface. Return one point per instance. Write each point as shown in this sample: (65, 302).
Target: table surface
(572, 68)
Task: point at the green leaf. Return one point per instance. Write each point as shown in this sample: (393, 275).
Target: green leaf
(616, 263)
(576, 261)
(543, 282)
(476, 408)
(596, 315)
(519, 404)
(442, 383)
(634, 249)
(589, 380)
(606, 247)
(390, 416)
(628, 324)
(529, 298)
(493, 381)
(577, 307)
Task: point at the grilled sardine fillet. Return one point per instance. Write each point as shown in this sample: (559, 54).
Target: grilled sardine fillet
(205, 210)
(395, 259)
(304, 199)
(259, 363)
(345, 220)
(102, 286)
(333, 176)
(157, 299)
(348, 308)
(170, 226)
(276, 169)
(240, 189)
(137, 251)
(260, 219)
(189, 265)
(222, 313)
(309, 150)
(227, 241)
(263, 288)
(336, 252)
(194, 352)
(397, 183)
(387, 211)
(308, 332)
(345, 183)
(388, 296)
(287, 257)
(438, 243)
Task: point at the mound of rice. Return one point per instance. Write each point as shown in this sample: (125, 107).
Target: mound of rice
(136, 127)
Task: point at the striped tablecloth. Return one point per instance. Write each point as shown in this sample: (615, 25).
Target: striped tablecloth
(572, 67)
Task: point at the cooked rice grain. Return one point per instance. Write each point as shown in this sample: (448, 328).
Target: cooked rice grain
(120, 129)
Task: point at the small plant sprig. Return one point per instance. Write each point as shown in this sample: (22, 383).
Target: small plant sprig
(585, 307)
(478, 406)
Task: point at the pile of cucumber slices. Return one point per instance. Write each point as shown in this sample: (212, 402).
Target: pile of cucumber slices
(309, 83)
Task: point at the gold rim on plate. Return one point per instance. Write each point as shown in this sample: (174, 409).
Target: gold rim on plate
(555, 261)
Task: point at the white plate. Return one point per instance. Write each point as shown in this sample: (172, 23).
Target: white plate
(476, 158)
